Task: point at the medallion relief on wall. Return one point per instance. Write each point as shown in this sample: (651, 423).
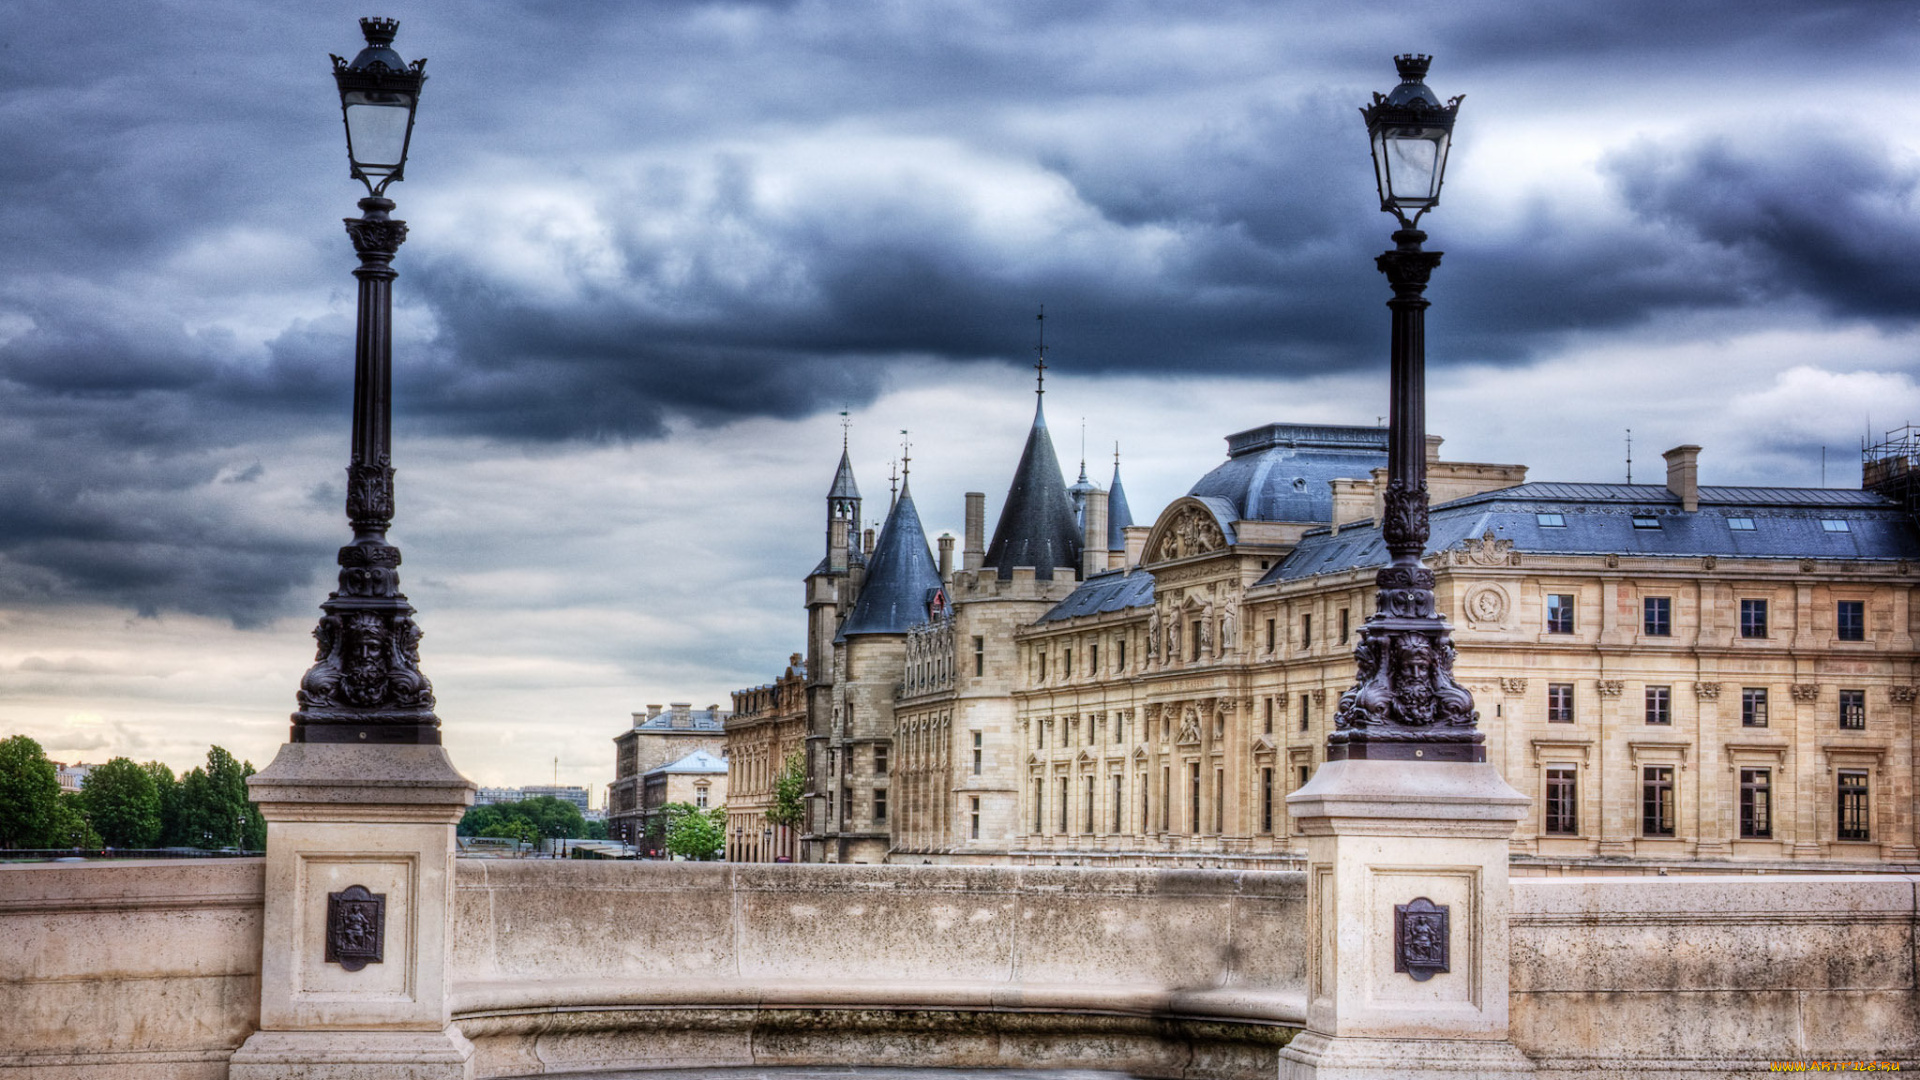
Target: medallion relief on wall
(1487, 605)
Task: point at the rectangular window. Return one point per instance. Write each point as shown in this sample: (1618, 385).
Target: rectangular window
(1269, 635)
(1835, 525)
(1306, 631)
(979, 753)
(979, 657)
(1066, 663)
(1657, 616)
(1120, 655)
(833, 762)
(1119, 727)
(1550, 521)
(1853, 709)
(1166, 796)
(1559, 613)
(700, 797)
(1560, 703)
(1756, 804)
(1656, 800)
(1852, 819)
(1040, 733)
(1266, 800)
(1562, 810)
(1659, 705)
(1306, 773)
(973, 817)
(1269, 724)
(1193, 788)
(1753, 706)
(879, 806)
(1850, 622)
(1093, 659)
(1306, 711)
(1086, 819)
(1645, 521)
(1195, 654)
(1753, 618)
(846, 805)
(1346, 624)
(1219, 800)
(879, 761)
(1043, 666)
(1740, 524)
(1119, 804)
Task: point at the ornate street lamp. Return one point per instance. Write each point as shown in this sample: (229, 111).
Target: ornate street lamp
(1405, 703)
(366, 686)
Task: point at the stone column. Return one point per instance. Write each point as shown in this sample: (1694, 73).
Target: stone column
(1407, 904)
(354, 967)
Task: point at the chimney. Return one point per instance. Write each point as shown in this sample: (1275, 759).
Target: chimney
(838, 537)
(1136, 542)
(1093, 535)
(1433, 448)
(1352, 500)
(975, 552)
(946, 559)
(1683, 475)
(868, 545)
(653, 711)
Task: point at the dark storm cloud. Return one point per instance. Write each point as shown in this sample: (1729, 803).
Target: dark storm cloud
(174, 289)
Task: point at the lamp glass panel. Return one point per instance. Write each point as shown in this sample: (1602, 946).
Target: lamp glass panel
(1413, 165)
(377, 131)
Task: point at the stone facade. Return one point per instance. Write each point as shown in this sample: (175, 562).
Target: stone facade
(768, 724)
(657, 737)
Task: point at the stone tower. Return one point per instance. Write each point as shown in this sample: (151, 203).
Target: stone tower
(832, 588)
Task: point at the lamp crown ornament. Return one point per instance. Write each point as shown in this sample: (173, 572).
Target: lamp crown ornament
(380, 33)
(1412, 66)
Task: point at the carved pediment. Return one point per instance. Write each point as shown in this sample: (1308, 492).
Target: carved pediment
(1033, 758)
(1140, 752)
(1086, 756)
(1487, 550)
(1263, 744)
(1191, 531)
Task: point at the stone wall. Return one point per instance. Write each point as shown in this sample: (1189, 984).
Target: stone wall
(1655, 977)
(600, 965)
(128, 969)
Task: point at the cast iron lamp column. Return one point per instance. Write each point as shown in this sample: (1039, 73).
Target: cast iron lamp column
(1405, 703)
(366, 685)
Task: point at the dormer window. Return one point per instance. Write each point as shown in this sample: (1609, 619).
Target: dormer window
(1551, 521)
(1834, 525)
(1740, 524)
(1645, 521)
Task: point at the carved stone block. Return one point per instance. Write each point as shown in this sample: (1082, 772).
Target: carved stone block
(1806, 693)
(1514, 686)
(1611, 687)
(1706, 691)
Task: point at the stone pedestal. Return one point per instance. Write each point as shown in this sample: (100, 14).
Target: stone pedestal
(354, 974)
(1407, 870)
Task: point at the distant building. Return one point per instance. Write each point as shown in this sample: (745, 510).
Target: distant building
(768, 724)
(71, 777)
(488, 796)
(656, 738)
(699, 779)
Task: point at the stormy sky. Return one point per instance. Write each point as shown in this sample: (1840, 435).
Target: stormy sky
(656, 249)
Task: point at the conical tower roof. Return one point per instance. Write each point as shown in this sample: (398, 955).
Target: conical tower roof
(843, 485)
(901, 577)
(1078, 493)
(1119, 517)
(1036, 525)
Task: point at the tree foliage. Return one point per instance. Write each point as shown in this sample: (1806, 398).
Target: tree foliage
(789, 788)
(693, 833)
(214, 811)
(70, 828)
(122, 802)
(548, 817)
(29, 794)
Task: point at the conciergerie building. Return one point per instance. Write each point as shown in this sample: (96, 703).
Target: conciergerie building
(1677, 673)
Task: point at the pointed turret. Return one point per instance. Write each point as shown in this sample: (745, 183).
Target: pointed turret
(902, 577)
(843, 518)
(843, 485)
(1078, 493)
(1037, 525)
(1119, 517)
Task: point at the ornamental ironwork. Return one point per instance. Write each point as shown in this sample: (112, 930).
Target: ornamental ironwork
(356, 927)
(1421, 939)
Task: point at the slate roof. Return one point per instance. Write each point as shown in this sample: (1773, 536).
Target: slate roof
(1036, 523)
(901, 577)
(1788, 523)
(697, 762)
(1279, 472)
(843, 485)
(1111, 591)
(698, 720)
(1119, 517)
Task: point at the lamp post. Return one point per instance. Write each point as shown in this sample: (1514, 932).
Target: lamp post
(1405, 704)
(365, 686)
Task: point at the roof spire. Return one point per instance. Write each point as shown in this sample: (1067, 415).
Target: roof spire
(906, 456)
(893, 484)
(1119, 515)
(845, 424)
(1083, 449)
(1040, 365)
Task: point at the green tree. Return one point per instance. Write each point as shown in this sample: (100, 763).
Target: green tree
(693, 833)
(507, 827)
(548, 817)
(167, 789)
(70, 828)
(789, 788)
(29, 794)
(214, 811)
(122, 803)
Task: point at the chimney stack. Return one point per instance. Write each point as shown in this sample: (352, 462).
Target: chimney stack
(1683, 475)
(1093, 535)
(975, 553)
(839, 538)
(1352, 501)
(868, 548)
(1433, 448)
(1136, 538)
(946, 559)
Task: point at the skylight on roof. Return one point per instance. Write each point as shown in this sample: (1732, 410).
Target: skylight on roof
(1645, 521)
(1835, 525)
(1551, 521)
(1740, 524)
